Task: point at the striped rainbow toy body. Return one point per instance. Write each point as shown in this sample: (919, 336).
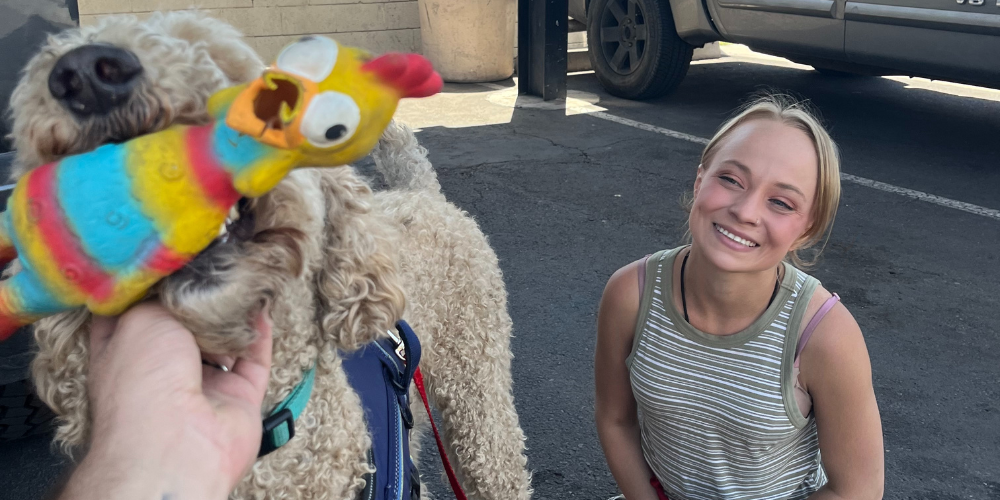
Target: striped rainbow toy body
(100, 228)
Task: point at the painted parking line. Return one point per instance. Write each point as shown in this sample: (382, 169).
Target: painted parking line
(861, 181)
(873, 184)
(649, 128)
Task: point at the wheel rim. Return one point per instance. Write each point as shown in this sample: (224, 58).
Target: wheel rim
(623, 35)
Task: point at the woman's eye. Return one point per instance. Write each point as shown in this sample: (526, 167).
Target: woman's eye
(729, 180)
(782, 205)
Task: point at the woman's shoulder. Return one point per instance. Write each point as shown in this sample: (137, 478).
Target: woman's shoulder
(623, 286)
(836, 318)
(620, 303)
(633, 275)
(820, 295)
(837, 338)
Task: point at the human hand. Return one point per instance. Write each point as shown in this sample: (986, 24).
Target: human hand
(164, 424)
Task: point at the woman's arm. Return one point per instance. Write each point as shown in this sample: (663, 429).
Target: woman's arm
(617, 422)
(837, 373)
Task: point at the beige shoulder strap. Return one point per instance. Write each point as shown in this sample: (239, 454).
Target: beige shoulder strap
(648, 282)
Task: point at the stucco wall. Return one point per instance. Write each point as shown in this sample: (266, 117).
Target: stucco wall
(377, 25)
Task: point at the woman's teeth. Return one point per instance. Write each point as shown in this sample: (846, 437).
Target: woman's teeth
(735, 238)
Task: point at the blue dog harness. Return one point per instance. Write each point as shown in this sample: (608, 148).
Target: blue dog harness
(380, 373)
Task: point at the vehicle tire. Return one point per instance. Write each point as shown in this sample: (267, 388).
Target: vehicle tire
(634, 48)
(22, 414)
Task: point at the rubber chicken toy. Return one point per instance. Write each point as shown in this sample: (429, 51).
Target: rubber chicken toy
(100, 228)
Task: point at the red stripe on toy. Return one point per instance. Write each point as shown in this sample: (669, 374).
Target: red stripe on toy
(164, 261)
(8, 325)
(74, 264)
(213, 178)
(9, 320)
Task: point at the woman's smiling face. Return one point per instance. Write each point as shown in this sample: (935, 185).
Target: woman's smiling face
(754, 199)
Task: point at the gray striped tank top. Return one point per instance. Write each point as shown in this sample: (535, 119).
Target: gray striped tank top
(717, 413)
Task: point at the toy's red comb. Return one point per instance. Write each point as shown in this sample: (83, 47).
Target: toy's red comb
(411, 74)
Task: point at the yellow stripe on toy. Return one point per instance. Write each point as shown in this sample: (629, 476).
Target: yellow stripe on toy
(169, 194)
(255, 181)
(128, 289)
(34, 250)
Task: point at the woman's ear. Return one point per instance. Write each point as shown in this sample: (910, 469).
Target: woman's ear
(698, 179)
(803, 238)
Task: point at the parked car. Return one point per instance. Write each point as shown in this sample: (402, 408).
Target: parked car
(21, 412)
(641, 49)
(26, 24)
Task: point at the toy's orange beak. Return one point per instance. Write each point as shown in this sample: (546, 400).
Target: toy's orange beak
(270, 109)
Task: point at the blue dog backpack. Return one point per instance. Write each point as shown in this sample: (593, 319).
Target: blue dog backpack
(381, 373)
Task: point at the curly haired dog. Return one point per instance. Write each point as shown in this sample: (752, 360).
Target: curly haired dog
(338, 263)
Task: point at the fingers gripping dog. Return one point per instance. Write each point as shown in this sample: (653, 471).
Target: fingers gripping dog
(100, 228)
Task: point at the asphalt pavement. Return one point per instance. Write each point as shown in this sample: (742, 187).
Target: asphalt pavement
(569, 194)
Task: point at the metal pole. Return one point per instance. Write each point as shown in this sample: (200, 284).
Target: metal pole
(541, 48)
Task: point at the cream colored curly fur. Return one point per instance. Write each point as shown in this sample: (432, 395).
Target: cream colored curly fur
(338, 263)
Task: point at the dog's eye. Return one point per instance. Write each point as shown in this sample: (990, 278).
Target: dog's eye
(330, 119)
(311, 57)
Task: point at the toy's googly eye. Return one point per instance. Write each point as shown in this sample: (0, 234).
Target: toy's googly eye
(311, 57)
(331, 119)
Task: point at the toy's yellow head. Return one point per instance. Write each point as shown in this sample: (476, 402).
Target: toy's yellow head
(326, 101)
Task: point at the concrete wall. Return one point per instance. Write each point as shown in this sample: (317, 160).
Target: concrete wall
(377, 25)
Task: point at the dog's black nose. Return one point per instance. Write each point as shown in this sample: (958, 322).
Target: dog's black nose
(94, 79)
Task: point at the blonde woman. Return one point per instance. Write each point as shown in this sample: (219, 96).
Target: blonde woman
(723, 371)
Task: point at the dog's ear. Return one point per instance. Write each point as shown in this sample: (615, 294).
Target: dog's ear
(358, 287)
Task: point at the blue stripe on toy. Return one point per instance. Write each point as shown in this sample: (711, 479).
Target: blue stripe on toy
(35, 298)
(111, 227)
(236, 151)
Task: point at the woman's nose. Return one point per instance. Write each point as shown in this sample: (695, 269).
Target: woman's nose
(746, 210)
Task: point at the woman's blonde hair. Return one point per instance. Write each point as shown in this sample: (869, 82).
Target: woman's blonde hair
(795, 113)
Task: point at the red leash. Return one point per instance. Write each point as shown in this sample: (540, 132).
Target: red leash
(655, 483)
(418, 380)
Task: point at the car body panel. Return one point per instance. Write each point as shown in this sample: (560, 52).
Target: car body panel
(814, 27)
(692, 22)
(936, 38)
(15, 352)
(24, 24)
(955, 40)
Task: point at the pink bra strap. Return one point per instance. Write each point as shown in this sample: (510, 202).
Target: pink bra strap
(825, 308)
